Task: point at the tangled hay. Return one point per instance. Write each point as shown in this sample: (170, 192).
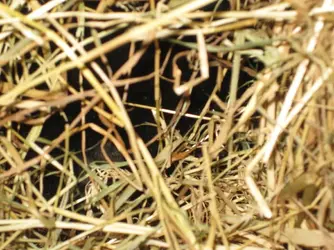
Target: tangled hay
(254, 173)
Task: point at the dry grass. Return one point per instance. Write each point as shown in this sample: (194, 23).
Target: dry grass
(255, 174)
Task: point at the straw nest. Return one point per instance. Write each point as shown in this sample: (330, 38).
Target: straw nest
(254, 173)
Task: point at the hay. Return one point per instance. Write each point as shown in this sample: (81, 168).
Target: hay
(254, 173)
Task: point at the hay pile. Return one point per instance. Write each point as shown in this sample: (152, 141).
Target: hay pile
(254, 173)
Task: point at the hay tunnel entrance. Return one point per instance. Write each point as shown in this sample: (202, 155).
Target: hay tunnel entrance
(166, 124)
